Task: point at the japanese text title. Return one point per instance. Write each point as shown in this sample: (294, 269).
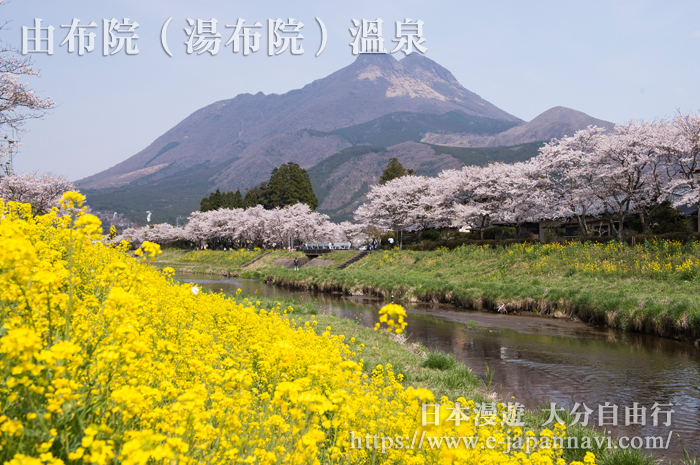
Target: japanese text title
(205, 36)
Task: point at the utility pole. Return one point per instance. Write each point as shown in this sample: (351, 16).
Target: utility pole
(7, 166)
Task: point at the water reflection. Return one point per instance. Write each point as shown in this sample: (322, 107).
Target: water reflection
(543, 360)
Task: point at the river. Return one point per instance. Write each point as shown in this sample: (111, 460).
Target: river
(542, 360)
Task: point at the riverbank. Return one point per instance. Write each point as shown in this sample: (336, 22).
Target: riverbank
(650, 288)
(442, 374)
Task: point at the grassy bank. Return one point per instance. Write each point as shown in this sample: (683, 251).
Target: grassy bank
(107, 360)
(237, 262)
(649, 288)
(215, 262)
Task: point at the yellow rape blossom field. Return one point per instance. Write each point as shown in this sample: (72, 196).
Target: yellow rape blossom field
(107, 360)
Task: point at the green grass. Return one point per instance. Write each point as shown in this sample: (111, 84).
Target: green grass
(217, 262)
(231, 262)
(306, 309)
(220, 261)
(688, 459)
(233, 258)
(440, 361)
(339, 257)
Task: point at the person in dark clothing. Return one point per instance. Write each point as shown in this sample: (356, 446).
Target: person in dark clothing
(296, 264)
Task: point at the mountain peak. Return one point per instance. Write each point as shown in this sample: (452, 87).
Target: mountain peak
(378, 59)
(414, 64)
(417, 76)
(573, 118)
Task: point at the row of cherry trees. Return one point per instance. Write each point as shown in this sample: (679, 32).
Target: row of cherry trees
(224, 227)
(254, 226)
(632, 169)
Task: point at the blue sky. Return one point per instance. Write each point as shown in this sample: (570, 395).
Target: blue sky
(615, 60)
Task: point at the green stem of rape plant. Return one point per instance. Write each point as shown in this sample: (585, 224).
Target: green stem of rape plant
(71, 265)
(215, 449)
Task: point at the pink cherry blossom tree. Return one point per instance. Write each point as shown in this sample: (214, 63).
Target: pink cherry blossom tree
(162, 233)
(524, 199)
(479, 195)
(135, 236)
(568, 172)
(631, 173)
(42, 192)
(395, 204)
(682, 152)
(256, 226)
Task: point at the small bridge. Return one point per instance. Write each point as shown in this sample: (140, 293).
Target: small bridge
(316, 249)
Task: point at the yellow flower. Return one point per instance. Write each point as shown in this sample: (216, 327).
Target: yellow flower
(77, 454)
(72, 200)
(89, 225)
(393, 315)
(151, 248)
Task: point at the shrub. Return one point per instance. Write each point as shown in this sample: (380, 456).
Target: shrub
(385, 238)
(500, 233)
(431, 235)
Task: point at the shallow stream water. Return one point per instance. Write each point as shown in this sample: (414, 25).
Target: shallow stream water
(541, 360)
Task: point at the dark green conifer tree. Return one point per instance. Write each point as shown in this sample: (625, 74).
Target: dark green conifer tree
(394, 169)
(289, 184)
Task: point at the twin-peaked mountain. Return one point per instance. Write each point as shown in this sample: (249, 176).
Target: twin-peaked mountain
(341, 127)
